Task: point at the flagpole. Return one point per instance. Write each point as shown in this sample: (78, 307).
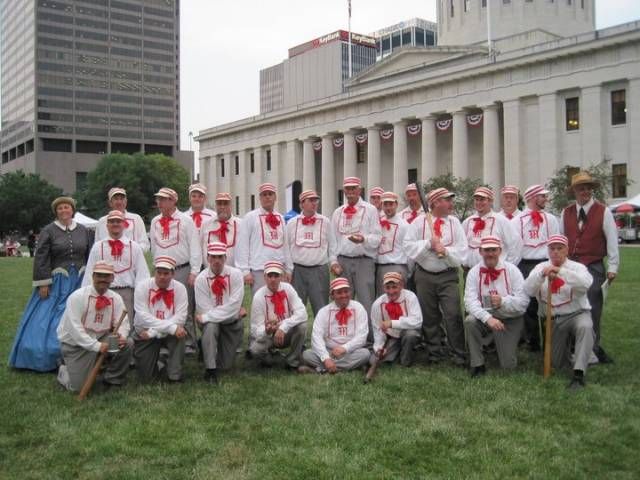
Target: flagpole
(489, 43)
(350, 63)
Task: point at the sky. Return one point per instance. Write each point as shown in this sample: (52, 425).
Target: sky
(224, 44)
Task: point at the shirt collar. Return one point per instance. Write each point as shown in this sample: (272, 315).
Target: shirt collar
(586, 206)
(64, 228)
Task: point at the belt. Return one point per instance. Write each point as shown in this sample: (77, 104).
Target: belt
(391, 264)
(309, 266)
(531, 261)
(448, 270)
(354, 257)
(182, 266)
(119, 288)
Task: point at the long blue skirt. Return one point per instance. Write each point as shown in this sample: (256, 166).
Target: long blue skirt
(36, 345)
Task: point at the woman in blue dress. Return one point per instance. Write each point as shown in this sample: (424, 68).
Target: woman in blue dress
(61, 254)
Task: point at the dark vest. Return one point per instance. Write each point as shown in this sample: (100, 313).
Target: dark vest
(588, 245)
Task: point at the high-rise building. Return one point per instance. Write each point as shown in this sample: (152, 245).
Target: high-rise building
(83, 78)
(410, 33)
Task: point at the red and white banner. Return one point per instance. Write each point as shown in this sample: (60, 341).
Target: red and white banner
(338, 142)
(414, 129)
(474, 120)
(444, 125)
(386, 134)
(317, 146)
(362, 138)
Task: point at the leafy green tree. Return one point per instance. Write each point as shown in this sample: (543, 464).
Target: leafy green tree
(25, 202)
(462, 187)
(141, 176)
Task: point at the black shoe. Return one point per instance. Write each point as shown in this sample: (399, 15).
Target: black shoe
(602, 356)
(211, 377)
(577, 383)
(248, 355)
(478, 371)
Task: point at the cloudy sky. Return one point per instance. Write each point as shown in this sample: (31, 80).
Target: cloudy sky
(226, 43)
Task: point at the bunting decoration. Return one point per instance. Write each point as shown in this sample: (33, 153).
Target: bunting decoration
(415, 129)
(474, 120)
(338, 142)
(386, 134)
(362, 138)
(444, 125)
(317, 146)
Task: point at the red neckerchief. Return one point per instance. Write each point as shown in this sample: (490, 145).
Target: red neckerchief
(437, 227)
(273, 220)
(385, 224)
(165, 295)
(478, 225)
(217, 288)
(536, 218)
(117, 247)
(490, 274)
(221, 233)
(278, 299)
(165, 222)
(413, 216)
(509, 215)
(350, 211)
(102, 301)
(394, 310)
(125, 222)
(197, 218)
(343, 316)
(311, 220)
(556, 284)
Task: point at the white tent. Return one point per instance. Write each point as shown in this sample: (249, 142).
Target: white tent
(635, 201)
(86, 221)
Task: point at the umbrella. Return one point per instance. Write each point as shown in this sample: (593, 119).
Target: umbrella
(625, 208)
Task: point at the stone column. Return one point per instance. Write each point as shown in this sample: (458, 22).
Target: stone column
(633, 126)
(228, 171)
(308, 165)
(429, 154)
(512, 142)
(273, 175)
(460, 148)
(491, 173)
(241, 182)
(259, 156)
(374, 158)
(328, 201)
(350, 155)
(591, 123)
(549, 126)
(400, 174)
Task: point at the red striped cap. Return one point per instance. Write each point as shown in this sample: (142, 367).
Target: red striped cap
(274, 267)
(490, 241)
(165, 261)
(116, 191)
(216, 248)
(339, 283)
(115, 215)
(351, 182)
(411, 188)
(198, 187)
(510, 189)
(267, 187)
(558, 239)
(484, 192)
(103, 267)
(534, 190)
(223, 197)
(376, 192)
(307, 194)
(439, 193)
(389, 197)
(392, 277)
(167, 193)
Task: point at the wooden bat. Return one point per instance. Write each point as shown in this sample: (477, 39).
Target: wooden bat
(371, 371)
(91, 379)
(547, 335)
(425, 206)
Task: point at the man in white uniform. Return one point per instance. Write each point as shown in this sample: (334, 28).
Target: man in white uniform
(134, 228)
(391, 254)
(224, 228)
(198, 210)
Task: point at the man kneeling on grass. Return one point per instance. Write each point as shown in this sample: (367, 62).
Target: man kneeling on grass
(569, 282)
(89, 317)
(496, 302)
(339, 334)
(396, 320)
(278, 319)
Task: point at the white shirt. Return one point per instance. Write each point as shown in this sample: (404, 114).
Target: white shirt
(366, 222)
(410, 319)
(390, 249)
(262, 309)
(610, 233)
(498, 226)
(509, 285)
(158, 319)
(515, 213)
(81, 324)
(258, 243)
(406, 213)
(534, 239)
(206, 214)
(417, 244)
(228, 307)
(208, 235)
(130, 267)
(309, 245)
(182, 243)
(134, 229)
(328, 333)
(571, 297)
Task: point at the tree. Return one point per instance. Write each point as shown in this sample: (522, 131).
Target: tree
(140, 175)
(462, 187)
(25, 202)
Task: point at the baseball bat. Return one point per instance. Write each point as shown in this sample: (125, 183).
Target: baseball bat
(547, 335)
(371, 371)
(91, 379)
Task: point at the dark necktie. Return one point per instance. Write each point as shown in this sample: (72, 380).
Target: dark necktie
(582, 216)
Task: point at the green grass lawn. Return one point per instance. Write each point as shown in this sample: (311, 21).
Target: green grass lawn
(423, 422)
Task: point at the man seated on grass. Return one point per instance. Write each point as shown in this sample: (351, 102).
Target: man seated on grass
(396, 320)
(161, 305)
(92, 312)
(278, 319)
(339, 334)
(219, 311)
(569, 282)
(496, 302)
